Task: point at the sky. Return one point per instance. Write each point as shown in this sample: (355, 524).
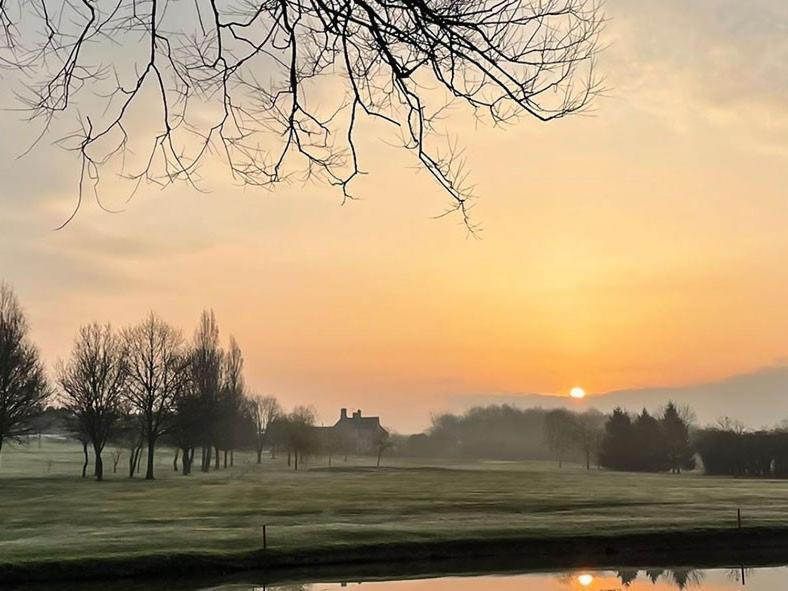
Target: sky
(640, 245)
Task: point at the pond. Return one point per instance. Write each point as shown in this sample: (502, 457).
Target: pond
(653, 579)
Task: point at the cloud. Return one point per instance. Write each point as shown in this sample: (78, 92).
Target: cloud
(718, 61)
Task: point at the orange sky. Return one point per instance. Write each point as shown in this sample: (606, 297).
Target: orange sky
(643, 245)
(713, 580)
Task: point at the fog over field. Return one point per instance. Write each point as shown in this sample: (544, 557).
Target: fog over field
(757, 399)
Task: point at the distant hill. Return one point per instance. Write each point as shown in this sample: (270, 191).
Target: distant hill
(758, 399)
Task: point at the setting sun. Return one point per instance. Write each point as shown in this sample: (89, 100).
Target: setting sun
(585, 579)
(577, 392)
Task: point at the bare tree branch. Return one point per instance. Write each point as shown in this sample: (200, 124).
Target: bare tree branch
(249, 81)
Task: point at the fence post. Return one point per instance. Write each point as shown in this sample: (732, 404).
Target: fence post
(265, 539)
(738, 517)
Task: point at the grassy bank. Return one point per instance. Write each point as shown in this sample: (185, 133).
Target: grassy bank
(51, 517)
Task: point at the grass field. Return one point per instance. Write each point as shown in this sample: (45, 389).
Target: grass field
(47, 513)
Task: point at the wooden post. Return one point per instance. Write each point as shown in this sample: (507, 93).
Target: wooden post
(265, 539)
(738, 517)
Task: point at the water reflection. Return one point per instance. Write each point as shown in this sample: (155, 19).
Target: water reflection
(765, 579)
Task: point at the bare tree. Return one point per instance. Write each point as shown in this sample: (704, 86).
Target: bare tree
(232, 402)
(128, 433)
(381, 443)
(206, 372)
(23, 385)
(92, 381)
(156, 368)
(301, 433)
(263, 410)
(560, 428)
(588, 430)
(248, 80)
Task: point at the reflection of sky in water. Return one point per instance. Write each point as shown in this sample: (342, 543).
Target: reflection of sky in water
(769, 579)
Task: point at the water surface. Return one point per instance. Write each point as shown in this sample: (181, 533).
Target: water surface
(656, 579)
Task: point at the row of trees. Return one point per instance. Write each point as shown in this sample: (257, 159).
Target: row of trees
(142, 385)
(729, 449)
(648, 443)
(145, 382)
(618, 441)
(503, 432)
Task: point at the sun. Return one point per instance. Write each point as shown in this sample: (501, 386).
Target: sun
(577, 392)
(585, 579)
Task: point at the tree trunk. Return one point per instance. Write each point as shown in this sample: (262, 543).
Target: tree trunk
(296, 460)
(85, 464)
(132, 462)
(225, 459)
(99, 472)
(288, 458)
(259, 455)
(232, 458)
(588, 460)
(380, 453)
(151, 451)
(206, 463)
(186, 463)
(217, 463)
(175, 461)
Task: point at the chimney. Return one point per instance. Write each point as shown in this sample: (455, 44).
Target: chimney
(343, 414)
(357, 414)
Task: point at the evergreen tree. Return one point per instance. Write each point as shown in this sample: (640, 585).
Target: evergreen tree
(651, 451)
(619, 442)
(680, 453)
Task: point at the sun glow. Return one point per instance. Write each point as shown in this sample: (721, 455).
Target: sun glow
(577, 392)
(585, 579)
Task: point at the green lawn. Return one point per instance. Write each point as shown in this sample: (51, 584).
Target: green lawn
(48, 513)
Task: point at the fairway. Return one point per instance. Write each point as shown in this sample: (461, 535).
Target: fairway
(49, 514)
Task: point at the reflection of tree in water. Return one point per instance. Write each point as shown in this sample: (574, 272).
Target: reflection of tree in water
(654, 574)
(682, 578)
(686, 577)
(627, 576)
(740, 575)
(253, 587)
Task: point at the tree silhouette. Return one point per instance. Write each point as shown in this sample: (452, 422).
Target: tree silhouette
(93, 382)
(560, 432)
(617, 450)
(263, 410)
(249, 80)
(23, 385)
(676, 429)
(156, 370)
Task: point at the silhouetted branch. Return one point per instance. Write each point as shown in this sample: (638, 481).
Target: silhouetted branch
(248, 80)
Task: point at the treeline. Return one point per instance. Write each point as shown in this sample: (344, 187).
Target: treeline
(730, 450)
(508, 433)
(648, 443)
(146, 385)
(618, 441)
(135, 388)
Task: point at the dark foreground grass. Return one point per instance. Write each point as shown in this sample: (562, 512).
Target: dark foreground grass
(53, 521)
